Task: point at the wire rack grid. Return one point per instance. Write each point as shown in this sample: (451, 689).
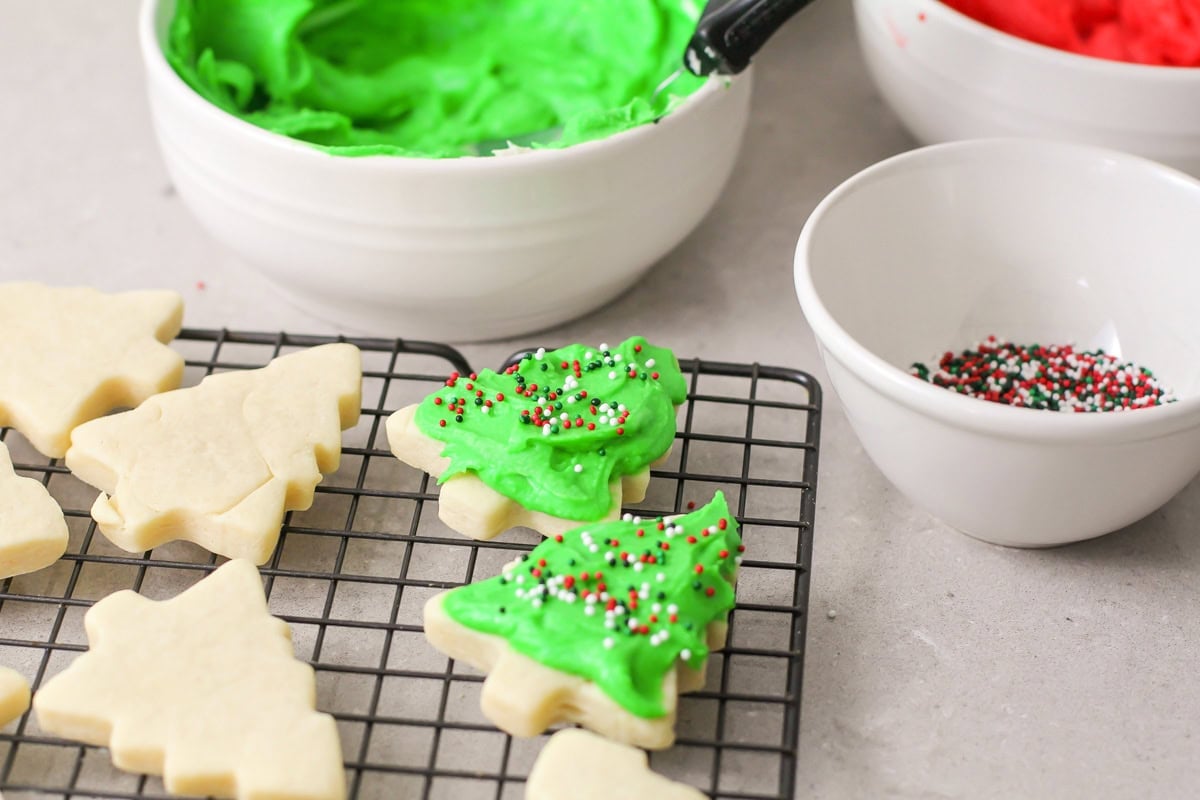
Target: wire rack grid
(351, 574)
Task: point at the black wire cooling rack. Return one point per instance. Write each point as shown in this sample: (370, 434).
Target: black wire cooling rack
(351, 574)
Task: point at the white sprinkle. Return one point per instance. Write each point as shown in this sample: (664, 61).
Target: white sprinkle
(616, 356)
(649, 362)
(579, 467)
(612, 376)
(656, 608)
(484, 409)
(685, 654)
(564, 416)
(589, 610)
(831, 614)
(627, 517)
(638, 566)
(588, 354)
(541, 351)
(672, 609)
(537, 602)
(660, 577)
(603, 345)
(608, 643)
(595, 548)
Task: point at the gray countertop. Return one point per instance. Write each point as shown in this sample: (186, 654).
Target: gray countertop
(937, 666)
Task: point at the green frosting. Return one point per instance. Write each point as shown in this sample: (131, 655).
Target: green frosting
(434, 77)
(553, 431)
(617, 603)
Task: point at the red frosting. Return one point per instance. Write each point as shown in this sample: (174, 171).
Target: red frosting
(1164, 32)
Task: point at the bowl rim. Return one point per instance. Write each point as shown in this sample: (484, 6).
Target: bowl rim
(1103, 67)
(158, 69)
(969, 413)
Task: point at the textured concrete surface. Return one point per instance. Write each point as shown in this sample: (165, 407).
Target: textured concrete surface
(951, 668)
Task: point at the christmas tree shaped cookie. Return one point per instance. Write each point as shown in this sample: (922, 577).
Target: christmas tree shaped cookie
(602, 626)
(561, 438)
(74, 354)
(14, 695)
(33, 532)
(580, 765)
(218, 464)
(202, 689)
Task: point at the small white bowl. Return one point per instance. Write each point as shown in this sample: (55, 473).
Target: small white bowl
(454, 249)
(949, 77)
(1035, 241)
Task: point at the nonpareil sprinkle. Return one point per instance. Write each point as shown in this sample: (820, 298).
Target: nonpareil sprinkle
(1056, 377)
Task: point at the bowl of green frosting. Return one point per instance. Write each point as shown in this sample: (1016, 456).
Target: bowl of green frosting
(458, 169)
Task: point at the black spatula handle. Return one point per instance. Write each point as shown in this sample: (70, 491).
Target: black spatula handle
(730, 33)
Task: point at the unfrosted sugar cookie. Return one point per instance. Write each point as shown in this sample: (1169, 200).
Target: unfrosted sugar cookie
(220, 463)
(602, 626)
(580, 765)
(562, 438)
(73, 354)
(14, 695)
(33, 532)
(203, 689)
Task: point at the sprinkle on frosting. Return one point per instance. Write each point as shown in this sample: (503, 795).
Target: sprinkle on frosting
(617, 603)
(555, 429)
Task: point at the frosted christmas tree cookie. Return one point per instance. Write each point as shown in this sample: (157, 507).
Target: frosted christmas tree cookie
(583, 766)
(202, 689)
(220, 463)
(74, 354)
(33, 532)
(562, 438)
(602, 626)
(14, 695)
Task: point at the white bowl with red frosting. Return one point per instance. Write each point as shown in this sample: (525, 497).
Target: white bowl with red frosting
(949, 77)
(1036, 241)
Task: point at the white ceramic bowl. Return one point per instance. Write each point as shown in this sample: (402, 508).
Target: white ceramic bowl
(457, 249)
(949, 77)
(1038, 242)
